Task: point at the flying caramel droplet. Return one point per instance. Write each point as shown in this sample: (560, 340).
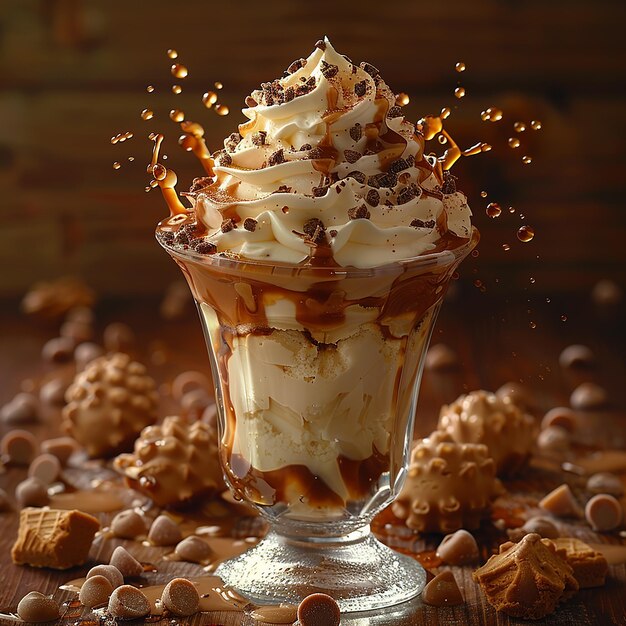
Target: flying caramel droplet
(222, 109)
(442, 139)
(116, 165)
(176, 115)
(171, 53)
(150, 88)
(460, 66)
(179, 71)
(147, 114)
(459, 92)
(525, 233)
(519, 127)
(514, 142)
(492, 114)
(402, 99)
(483, 194)
(209, 99)
(526, 160)
(176, 89)
(506, 247)
(535, 125)
(218, 85)
(493, 210)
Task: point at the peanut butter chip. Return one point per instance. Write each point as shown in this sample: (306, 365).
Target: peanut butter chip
(46, 467)
(34, 607)
(442, 590)
(576, 356)
(95, 591)
(604, 512)
(554, 440)
(194, 550)
(22, 409)
(61, 447)
(180, 597)
(542, 526)
(588, 396)
(118, 337)
(111, 573)
(441, 358)
(128, 525)
(164, 532)
(128, 602)
(319, 609)
(19, 446)
(58, 350)
(459, 548)
(32, 492)
(561, 502)
(605, 482)
(85, 353)
(125, 562)
(560, 416)
(52, 393)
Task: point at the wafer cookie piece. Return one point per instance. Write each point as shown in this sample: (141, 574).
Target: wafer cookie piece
(53, 538)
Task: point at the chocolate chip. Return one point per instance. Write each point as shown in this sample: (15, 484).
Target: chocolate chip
(259, 137)
(46, 468)
(180, 597)
(352, 156)
(321, 44)
(359, 213)
(373, 197)
(32, 492)
(228, 225)
(128, 602)
(318, 192)
(206, 247)
(251, 102)
(128, 524)
(250, 224)
(164, 532)
(604, 512)
(394, 111)
(319, 609)
(111, 573)
(231, 142)
(277, 157)
(459, 548)
(442, 590)
(34, 607)
(95, 591)
(356, 132)
(305, 146)
(125, 562)
(315, 231)
(194, 550)
(561, 503)
(61, 447)
(360, 88)
(370, 69)
(19, 446)
(58, 350)
(358, 176)
(449, 183)
(407, 194)
(296, 65)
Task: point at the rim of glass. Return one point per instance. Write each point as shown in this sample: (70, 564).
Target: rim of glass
(444, 257)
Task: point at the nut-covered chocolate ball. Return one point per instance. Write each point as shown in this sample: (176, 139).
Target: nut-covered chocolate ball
(449, 485)
(482, 417)
(174, 462)
(109, 403)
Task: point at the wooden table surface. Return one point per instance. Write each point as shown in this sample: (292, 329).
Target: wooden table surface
(495, 343)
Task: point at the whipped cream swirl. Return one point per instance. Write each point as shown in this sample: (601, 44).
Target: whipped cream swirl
(327, 167)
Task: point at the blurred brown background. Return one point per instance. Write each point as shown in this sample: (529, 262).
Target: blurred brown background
(74, 72)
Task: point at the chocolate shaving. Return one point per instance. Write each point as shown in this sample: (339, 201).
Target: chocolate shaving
(250, 224)
(360, 88)
(315, 231)
(232, 141)
(321, 44)
(359, 213)
(296, 65)
(421, 224)
(284, 189)
(352, 156)
(372, 197)
(407, 194)
(318, 192)
(449, 183)
(356, 132)
(329, 70)
(277, 157)
(251, 102)
(358, 176)
(387, 179)
(258, 138)
(370, 69)
(307, 87)
(228, 225)
(394, 111)
(206, 247)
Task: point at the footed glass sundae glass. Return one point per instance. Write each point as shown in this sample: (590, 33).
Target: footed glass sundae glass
(317, 372)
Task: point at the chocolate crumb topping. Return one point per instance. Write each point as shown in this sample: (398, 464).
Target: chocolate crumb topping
(284, 189)
(398, 166)
(305, 146)
(318, 192)
(307, 87)
(199, 184)
(277, 157)
(370, 69)
(251, 102)
(329, 70)
(358, 176)
(290, 94)
(359, 213)
(386, 179)
(321, 44)
(423, 224)
(360, 88)
(449, 183)
(333, 233)
(206, 247)
(258, 138)
(316, 153)
(356, 132)
(394, 111)
(408, 193)
(315, 231)
(167, 237)
(352, 156)
(296, 65)
(228, 225)
(232, 141)
(250, 224)
(223, 158)
(372, 197)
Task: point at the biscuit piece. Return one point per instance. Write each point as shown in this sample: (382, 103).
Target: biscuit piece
(527, 579)
(449, 485)
(590, 567)
(482, 417)
(53, 538)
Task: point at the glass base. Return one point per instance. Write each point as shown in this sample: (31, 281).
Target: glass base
(357, 570)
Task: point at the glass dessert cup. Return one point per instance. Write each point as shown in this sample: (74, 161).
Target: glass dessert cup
(317, 372)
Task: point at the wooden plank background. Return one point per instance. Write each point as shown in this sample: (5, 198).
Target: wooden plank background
(73, 73)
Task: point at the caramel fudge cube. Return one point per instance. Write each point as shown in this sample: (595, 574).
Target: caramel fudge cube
(590, 567)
